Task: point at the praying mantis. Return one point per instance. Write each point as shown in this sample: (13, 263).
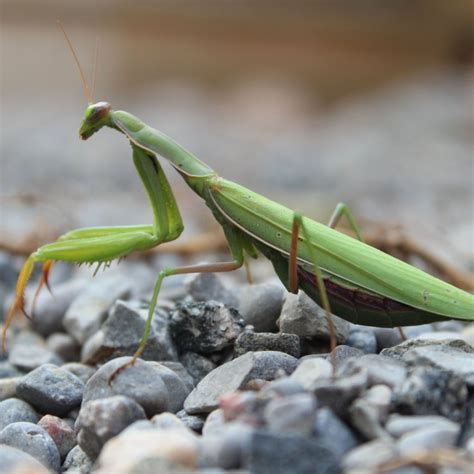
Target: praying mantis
(343, 274)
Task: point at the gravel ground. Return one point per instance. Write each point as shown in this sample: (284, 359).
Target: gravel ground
(235, 378)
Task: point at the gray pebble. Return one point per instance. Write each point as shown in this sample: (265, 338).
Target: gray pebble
(387, 337)
(51, 389)
(234, 375)
(89, 309)
(467, 429)
(142, 382)
(61, 432)
(167, 421)
(51, 308)
(432, 391)
(101, 420)
(273, 453)
(29, 352)
(283, 387)
(398, 425)
(13, 410)
(81, 371)
(234, 446)
(214, 424)
(193, 422)
(381, 370)
(291, 414)
(310, 371)
(260, 305)
(367, 456)
(302, 316)
(428, 438)
(249, 341)
(64, 346)
(17, 461)
(329, 430)
(181, 372)
(197, 365)
(77, 462)
(341, 352)
(123, 330)
(363, 339)
(34, 440)
(8, 370)
(209, 286)
(204, 327)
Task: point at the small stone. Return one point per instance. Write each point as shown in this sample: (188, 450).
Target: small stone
(8, 387)
(432, 391)
(246, 406)
(143, 382)
(89, 309)
(8, 370)
(13, 410)
(381, 370)
(283, 387)
(234, 446)
(214, 424)
(16, 461)
(233, 375)
(399, 425)
(193, 422)
(387, 337)
(51, 389)
(123, 330)
(273, 453)
(64, 346)
(101, 420)
(310, 371)
(328, 428)
(181, 372)
(77, 462)
(302, 316)
(61, 433)
(82, 371)
(126, 452)
(260, 305)
(342, 353)
(33, 440)
(367, 456)
(29, 352)
(292, 414)
(197, 365)
(249, 341)
(429, 438)
(440, 336)
(204, 327)
(363, 339)
(166, 421)
(51, 308)
(209, 286)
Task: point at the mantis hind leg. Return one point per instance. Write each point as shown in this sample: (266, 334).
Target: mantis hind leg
(293, 277)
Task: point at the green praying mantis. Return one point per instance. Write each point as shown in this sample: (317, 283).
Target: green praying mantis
(347, 277)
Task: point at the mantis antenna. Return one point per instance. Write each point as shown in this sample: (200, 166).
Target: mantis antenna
(87, 91)
(94, 74)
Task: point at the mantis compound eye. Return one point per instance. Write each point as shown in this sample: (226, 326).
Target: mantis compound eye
(95, 118)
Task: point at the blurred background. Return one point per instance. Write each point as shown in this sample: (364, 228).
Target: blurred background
(307, 102)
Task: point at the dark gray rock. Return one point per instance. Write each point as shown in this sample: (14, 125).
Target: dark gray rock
(13, 460)
(234, 375)
(77, 462)
(8, 370)
(33, 440)
(101, 420)
(123, 330)
(363, 339)
(197, 365)
(51, 308)
(330, 430)
(193, 422)
(13, 410)
(51, 389)
(89, 309)
(61, 432)
(432, 391)
(204, 327)
(387, 337)
(381, 369)
(302, 316)
(142, 382)
(249, 341)
(181, 372)
(81, 371)
(64, 346)
(260, 305)
(209, 286)
(273, 453)
(293, 414)
(29, 352)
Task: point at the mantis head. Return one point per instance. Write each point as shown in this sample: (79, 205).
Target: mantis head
(96, 116)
